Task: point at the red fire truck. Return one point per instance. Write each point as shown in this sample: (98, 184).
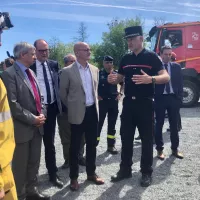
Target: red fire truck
(184, 39)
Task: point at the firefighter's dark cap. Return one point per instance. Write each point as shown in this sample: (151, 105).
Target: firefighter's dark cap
(108, 58)
(133, 31)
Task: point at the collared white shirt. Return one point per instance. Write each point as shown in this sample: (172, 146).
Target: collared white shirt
(170, 83)
(40, 78)
(86, 78)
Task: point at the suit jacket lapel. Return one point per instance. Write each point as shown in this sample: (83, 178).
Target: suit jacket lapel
(77, 74)
(21, 75)
(93, 76)
(37, 84)
(173, 78)
(33, 67)
(50, 71)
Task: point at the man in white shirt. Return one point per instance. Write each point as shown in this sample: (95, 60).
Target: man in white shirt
(78, 92)
(47, 75)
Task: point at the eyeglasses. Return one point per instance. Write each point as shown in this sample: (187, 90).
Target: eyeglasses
(43, 50)
(71, 61)
(108, 62)
(86, 50)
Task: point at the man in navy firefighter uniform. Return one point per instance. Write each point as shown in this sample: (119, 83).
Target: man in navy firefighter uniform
(108, 103)
(140, 69)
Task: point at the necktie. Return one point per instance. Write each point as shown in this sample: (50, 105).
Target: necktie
(47, 84)
(167, 87)
(35, 91)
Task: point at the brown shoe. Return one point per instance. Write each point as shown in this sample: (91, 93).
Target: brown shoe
(74, 186)
(97, 180)
(160, 155)
(177, 154)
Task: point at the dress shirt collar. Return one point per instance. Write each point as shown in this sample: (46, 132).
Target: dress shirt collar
(166, 63)
(80, 66)
(38, 63)
(21, 66)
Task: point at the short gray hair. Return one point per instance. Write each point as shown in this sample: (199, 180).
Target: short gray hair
(66, 58)
(22, 47)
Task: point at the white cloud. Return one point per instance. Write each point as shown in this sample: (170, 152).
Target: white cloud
(101, 19)
(40, 14)
(190, 5)
(89, 4)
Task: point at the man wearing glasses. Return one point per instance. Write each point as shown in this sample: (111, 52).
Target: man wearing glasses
(78, 92)
(109, 97)
(64, 126)
(47, 74)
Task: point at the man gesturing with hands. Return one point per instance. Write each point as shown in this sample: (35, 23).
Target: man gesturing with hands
(140, 69)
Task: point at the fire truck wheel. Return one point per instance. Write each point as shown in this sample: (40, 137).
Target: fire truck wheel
(190, 94)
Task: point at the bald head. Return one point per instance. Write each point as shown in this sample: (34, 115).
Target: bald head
(69, 59)
(79, 45)
(82, 52)
(39, 41)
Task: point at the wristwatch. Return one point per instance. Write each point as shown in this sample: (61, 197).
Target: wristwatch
(153, 80)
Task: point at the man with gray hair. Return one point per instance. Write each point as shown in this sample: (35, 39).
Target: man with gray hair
(28, 111)
(69, 59)
(64, 126)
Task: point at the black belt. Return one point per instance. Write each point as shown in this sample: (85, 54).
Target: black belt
(50, 103)
(109, 98)
(171, 94)
(138, 98)
(87, 107)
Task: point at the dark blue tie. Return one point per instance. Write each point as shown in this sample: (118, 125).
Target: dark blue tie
(167, 87)
(47, 84)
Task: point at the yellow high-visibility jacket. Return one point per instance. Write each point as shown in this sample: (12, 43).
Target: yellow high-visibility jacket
(7, 141)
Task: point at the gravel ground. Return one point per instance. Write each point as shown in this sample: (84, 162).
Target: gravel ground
(173, 179)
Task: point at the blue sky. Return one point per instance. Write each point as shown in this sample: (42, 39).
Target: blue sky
(61, 18)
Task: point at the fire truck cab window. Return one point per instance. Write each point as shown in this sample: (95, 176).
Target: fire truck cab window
(175, 38)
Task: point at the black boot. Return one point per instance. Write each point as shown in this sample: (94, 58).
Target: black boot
(112, 150)
(121, 174)
(56, 181)
(146, 180)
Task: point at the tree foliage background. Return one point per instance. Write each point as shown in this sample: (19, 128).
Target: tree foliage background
(113, 42)
(58, 50)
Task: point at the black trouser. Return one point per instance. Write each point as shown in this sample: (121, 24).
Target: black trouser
(137, 113)
(172, 104)
(179, 125)
(65, 136)
(108, 106)
(179, 122)
(48, 139)
(89, 127)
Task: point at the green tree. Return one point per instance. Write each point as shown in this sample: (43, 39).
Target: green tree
(82, 33)
(114, 43)
(58, 50)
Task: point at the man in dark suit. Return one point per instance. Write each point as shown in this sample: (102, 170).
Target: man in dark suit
(28, 111)
(168, 97)
(47, 74)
